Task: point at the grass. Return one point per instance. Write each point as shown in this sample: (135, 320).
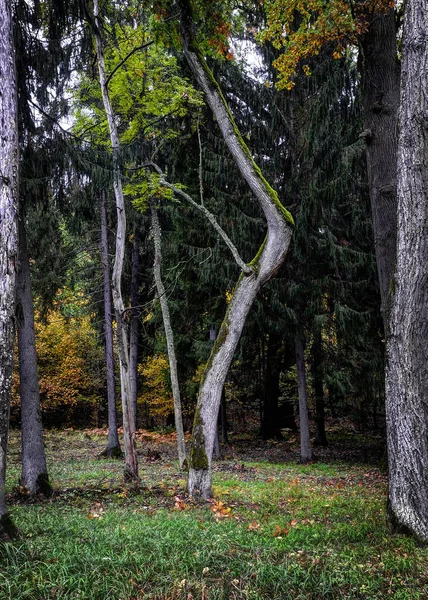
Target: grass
(274, 531)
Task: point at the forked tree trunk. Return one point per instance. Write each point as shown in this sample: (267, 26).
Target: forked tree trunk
(380, 74)
(407, 341)
(131, 465)
(264, 266)
(113, 444)
(8, 232)
(133, 327)
(34, 470)
(157, 266)
(305, 437)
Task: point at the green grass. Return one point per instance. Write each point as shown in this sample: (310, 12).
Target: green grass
(293, 532)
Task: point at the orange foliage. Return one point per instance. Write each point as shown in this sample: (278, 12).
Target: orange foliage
(302, 27)
(70, 360)
(156, 391)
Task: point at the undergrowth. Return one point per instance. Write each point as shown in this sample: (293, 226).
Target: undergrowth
(273, 532)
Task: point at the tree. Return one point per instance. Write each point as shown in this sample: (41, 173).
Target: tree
(9, 157)
(34, 469)
(406, 372)
(260, 270)
(131, 465)
(303, 29)
(156, 230)
(113, 444)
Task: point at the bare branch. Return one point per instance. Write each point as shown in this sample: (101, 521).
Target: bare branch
(211, 218)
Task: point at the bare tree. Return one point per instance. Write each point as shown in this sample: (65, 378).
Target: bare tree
(113, 444)
(131, 465)
(181, 446)
(260, 270)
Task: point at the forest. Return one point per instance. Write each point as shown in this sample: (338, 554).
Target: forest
(213, 299)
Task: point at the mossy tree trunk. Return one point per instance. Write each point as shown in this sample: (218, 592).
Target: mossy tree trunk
(113, 444)
(181, 447)
(9, 161)
(34, 470)
(131, 464)
(407, 340)
(263, 267)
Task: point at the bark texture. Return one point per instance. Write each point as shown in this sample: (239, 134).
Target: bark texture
(113, 444)
(34, 470)
(264, 266)
(8, 229)
(133, 327)
(131, 464)
(157, 266)
(305, 437)
(406, 372)
(380, 72)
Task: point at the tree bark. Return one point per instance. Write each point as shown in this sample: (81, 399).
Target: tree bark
(270, 427)
(113, 444)
(9, 162)
(181, 446)
(264, 266)
(133, 328)
(380, 71)
(317, 376)
(131, 464)
(305, 436)
(34, 470)
(223, 418)
(406, 372)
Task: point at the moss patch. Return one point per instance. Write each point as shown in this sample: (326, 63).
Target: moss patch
(193, 47)
(198, 458)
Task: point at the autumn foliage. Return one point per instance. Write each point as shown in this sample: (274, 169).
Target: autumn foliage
(301, 28)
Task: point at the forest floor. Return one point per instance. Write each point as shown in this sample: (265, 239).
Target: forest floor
(276, 530)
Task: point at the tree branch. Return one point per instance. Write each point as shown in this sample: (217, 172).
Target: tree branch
(123, 61)
(211, 218)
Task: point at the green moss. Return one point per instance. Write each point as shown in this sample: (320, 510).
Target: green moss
(254, 263)
(272, 193)
(198, 459)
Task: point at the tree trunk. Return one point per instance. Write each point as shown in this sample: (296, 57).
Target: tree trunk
(305, 436)
(131, 465)
(113, 444)
(406, 372)
(9, 162)
(317, 376)
(223, 418)
(263, 267)
(133, 329)
(34, 470)
(181, 446)
(270, 427)
(380, 72)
